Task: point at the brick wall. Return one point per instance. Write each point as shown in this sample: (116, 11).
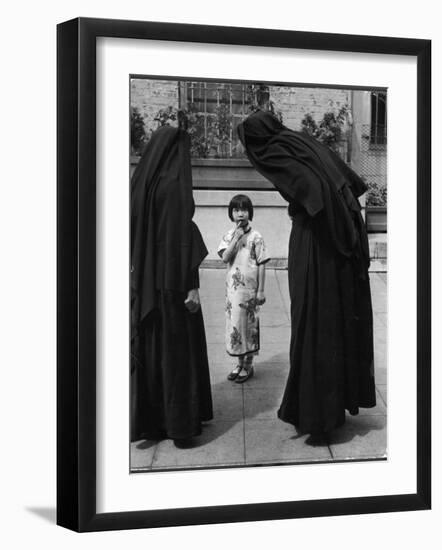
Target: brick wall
(149, 96)
(295, 103)
(271, 212)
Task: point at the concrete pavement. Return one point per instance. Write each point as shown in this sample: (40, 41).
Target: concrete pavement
(245, 429)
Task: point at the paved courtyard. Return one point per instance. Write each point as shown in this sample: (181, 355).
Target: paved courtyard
(245, 429)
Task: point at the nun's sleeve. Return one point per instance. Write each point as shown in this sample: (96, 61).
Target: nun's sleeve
(198, 253)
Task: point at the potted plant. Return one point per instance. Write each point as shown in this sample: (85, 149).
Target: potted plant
(330, 130)
(137, 132)
(376, 207)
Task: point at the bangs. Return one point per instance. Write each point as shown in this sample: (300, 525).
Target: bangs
(241, 202)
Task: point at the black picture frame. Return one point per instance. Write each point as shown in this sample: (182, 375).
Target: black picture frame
(76, 274)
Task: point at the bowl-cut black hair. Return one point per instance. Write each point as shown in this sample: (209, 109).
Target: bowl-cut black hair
(242, 202)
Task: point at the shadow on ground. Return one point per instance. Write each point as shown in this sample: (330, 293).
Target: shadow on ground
(146, 444)
(357, 426)
(48, 514)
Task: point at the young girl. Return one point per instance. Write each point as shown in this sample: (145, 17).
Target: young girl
(243, 250)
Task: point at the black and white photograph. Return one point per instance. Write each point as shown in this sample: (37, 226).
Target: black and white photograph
(221, 248)
(258, 273)
(244, 329)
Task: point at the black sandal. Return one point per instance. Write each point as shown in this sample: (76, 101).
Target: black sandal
(235, 373)
(242, 378)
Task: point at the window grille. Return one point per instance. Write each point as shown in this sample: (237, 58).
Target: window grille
(378, 130)
(214, 110)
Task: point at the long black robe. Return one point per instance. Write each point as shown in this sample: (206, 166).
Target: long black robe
(170, 384)
(331, 347)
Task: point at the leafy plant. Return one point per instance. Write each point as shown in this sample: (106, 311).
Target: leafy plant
(137, 132)
(206, 135)
(222, 130)
(165, 116)
(199, 143)
(211, 133)
(201, 139)
(376, 194)
(329, 129)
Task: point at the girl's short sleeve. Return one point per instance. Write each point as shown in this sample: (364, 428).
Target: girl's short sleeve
(261, 250)
(225, 241)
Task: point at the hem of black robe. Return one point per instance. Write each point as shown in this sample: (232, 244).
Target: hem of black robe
(364, 405)
(303, 430)
(161, 434)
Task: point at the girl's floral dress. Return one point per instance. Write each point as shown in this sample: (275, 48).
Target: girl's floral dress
(242, 321)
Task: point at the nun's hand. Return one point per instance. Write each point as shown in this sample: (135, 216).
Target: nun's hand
(192, 302)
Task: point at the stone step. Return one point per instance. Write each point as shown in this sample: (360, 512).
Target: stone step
(239, 183)
(378, 245)
(274, 263)
(378, 256)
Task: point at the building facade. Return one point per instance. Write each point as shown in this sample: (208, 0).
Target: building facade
(220, 167)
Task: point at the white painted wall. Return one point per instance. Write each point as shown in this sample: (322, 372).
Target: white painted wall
(270, 219)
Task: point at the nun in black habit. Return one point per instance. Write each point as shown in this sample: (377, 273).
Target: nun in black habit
(170, 384)
(331, 347)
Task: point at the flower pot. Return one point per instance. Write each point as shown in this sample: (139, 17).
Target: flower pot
(376, 219)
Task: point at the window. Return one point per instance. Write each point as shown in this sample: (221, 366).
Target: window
(378, 128)
(214, 110)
